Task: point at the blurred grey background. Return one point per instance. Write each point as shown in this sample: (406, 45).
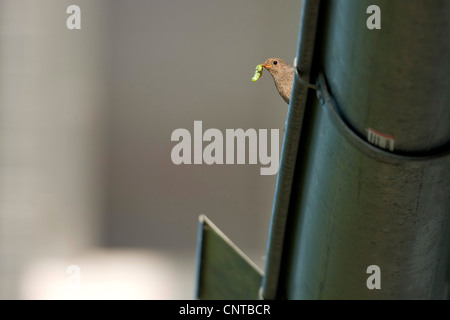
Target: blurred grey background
(86, 118)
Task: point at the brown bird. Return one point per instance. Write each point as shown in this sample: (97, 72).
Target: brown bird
(283, 75)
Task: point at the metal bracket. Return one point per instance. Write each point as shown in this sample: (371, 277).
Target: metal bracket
(300, 79)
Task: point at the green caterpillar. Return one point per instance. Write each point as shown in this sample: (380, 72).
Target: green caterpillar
(258, 72)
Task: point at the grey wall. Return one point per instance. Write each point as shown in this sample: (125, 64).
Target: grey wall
(173, 62)
(52, 134)
(87, 116)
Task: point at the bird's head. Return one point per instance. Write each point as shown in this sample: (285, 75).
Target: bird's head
(276, 65)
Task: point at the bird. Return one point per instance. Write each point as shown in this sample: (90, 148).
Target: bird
(282, 74)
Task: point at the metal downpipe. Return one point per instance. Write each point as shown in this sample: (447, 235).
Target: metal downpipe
(357, 202)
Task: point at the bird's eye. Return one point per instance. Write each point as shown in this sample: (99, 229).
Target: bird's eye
(275, 62)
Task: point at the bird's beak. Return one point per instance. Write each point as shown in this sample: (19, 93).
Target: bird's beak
(267, 66)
